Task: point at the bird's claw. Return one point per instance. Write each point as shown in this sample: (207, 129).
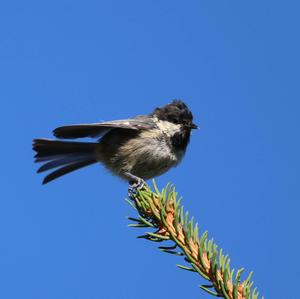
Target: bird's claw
(135, 186)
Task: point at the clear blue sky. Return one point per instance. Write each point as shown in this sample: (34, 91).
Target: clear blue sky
(236, 64)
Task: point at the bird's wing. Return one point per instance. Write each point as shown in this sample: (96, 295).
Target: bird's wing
(98, 129)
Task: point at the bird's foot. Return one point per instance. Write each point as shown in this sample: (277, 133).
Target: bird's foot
(134, 186)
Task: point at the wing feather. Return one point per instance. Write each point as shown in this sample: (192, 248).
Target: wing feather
(98, 129)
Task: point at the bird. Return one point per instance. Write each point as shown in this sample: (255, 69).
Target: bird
(134, 149)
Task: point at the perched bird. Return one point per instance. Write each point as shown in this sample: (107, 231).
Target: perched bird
(135, 149)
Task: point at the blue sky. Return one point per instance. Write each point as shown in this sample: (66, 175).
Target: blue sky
(235, 63)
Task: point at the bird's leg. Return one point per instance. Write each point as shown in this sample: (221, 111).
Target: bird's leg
(135, 183)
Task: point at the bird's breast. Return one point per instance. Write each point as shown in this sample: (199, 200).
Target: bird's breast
(150, 154)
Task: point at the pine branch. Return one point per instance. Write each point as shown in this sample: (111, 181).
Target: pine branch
(162, 212)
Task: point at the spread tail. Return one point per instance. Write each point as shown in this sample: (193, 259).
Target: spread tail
(63, 156)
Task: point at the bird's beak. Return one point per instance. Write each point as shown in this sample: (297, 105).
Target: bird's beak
(193, 126)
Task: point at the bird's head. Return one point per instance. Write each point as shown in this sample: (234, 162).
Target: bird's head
(177, 113)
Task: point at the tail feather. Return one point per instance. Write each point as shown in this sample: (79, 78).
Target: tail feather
(59, 162)
(47, 147)
(66, 169)
(65, 155)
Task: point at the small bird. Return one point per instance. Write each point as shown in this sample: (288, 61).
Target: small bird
(135, 149)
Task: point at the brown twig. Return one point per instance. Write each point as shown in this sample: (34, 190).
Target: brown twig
(163, 212)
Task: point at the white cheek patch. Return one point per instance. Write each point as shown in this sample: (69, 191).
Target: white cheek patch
(168, 128)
